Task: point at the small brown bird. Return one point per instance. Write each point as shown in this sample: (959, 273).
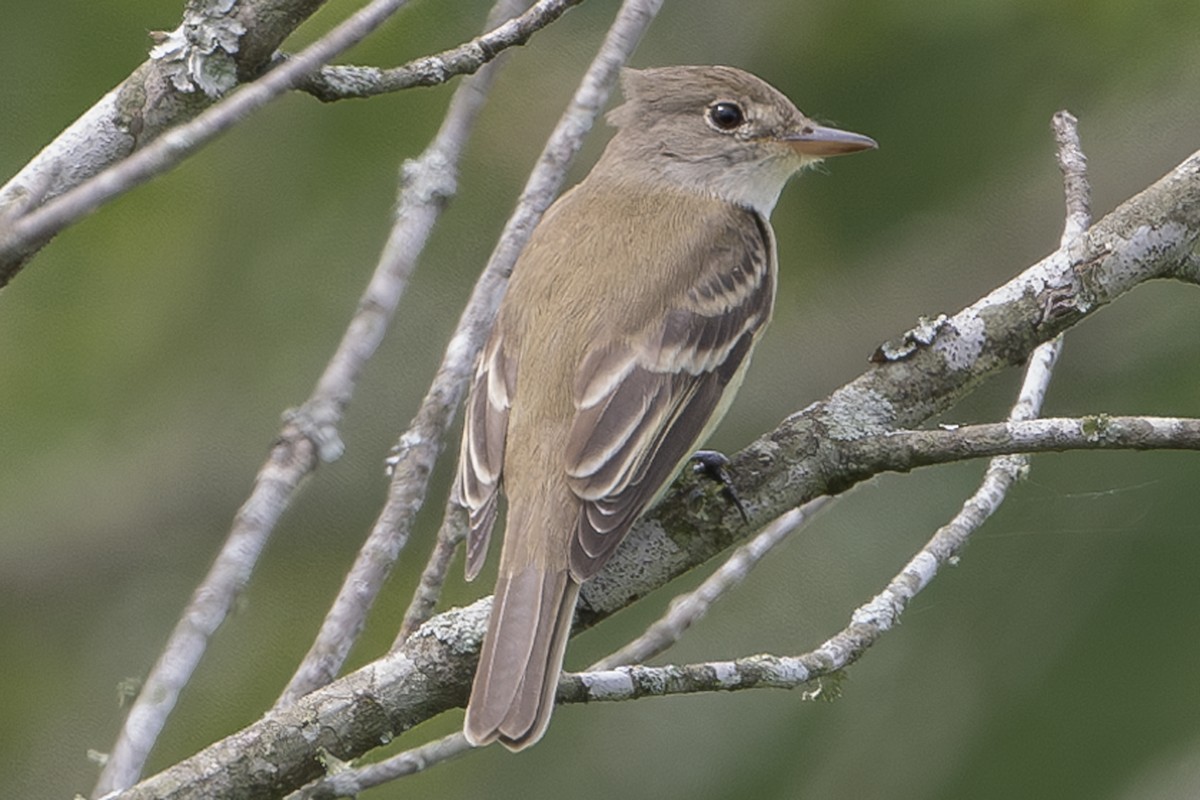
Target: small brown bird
(625, 332)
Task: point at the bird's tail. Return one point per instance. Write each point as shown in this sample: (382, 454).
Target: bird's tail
(522, 657)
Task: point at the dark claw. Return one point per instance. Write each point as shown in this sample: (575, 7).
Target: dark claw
(716, 466)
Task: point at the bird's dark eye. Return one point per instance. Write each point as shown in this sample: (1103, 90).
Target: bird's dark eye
(726, 116)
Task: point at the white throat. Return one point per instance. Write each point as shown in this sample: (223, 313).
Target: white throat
(754, 184)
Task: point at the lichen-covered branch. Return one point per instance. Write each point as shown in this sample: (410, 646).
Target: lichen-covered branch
(1077, 191)
(362, 711)
(188, 70)
(1151, 236)
(172, 105)
(343, 82)
(215, 45)
(902, 451)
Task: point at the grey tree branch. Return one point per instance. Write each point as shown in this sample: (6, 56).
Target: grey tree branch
(21, 237)
(417, 451)
(158, 94)
(350, 781)
(1151, 236)
(1073, 165)
(309, 435)
(431, 672)
(450, 535)
(345, 82)
(902, 451)
(109, 151)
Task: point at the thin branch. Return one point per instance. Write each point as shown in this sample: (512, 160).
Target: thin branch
(417, 451)
(334, 82)
(870, 621)
(687, 609)
(350, 782)
(20, 238)
(902, 451)
(215, 44)
(276, 482)
(309, 435)
(1004, 471)
(751, 672)
(1073, 165)
(452, 532)
(431, 672)
(1152, 235)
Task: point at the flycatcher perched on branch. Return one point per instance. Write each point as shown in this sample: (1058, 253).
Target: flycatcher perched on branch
(625, 332)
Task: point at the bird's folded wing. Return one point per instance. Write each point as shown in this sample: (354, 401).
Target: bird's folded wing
(481, 462)
(643, 401)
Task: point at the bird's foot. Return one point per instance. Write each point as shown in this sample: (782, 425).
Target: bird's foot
(715, 465)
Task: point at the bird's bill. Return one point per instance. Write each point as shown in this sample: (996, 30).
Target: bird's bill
(821, 142)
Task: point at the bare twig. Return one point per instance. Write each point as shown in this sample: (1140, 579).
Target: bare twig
(350, 782)
(21, 237)
(415, 219)
(345, 82)
(1005, 470)
(309, 435)
(902, 451)
(1073, 165)
(689, 608)
(418, 448)
(429, 588)
(187, 71)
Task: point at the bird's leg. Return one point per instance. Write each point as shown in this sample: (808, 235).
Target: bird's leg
(715, 465)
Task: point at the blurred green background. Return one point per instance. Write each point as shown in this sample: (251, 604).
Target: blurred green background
(146, 356)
